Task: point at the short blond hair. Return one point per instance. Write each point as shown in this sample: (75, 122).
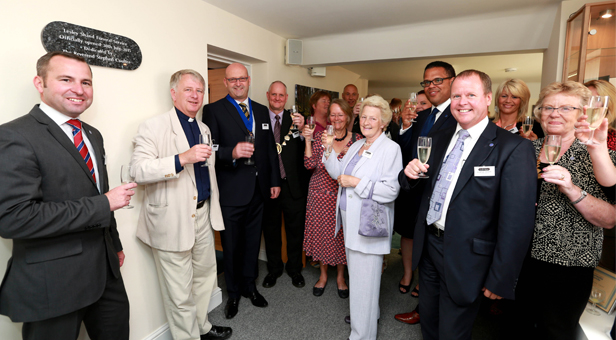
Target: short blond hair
(381, 104)
(518, 88)
(605, 88)
(569, 88)
(175, 78)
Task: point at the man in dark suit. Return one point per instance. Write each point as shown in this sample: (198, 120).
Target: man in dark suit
(243, 187)
(476, 216)
(294, 190)
(56, 206)
(438, 76)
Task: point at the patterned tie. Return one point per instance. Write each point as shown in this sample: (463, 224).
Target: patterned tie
(448, 169)
(425, 129)
(245, 110)
(81, 145)
(277, 137)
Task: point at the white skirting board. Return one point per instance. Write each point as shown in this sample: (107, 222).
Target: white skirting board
(163, 332)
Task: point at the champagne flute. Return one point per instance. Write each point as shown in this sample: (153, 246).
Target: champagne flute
(125, 178)
(413, 100)
(311, 125)
(424, 147)
(207, 140)
(330, 138)
(250, 139)
(552, 148)
(527, 125)
(293, 113)
(595, 297)
(595, 110)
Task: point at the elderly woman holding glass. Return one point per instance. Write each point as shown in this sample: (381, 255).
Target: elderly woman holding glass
(512, 98)
(320, 241)
(572, 210)
(368, 179)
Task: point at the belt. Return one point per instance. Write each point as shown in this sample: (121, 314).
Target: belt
(436, 231)
(200, 204)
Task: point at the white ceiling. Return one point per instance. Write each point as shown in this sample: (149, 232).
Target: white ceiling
(295, 19)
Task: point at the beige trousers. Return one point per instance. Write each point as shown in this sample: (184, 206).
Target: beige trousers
(187, 280)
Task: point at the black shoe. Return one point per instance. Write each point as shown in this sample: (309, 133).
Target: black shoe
(270, 280)
(298, 280)
(318, 291)
(343, 293)
(231, 308)
(218, 333)
(257, 299)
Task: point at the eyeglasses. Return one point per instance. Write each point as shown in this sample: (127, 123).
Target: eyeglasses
(235, 80)
(563, 109)
(435, 81)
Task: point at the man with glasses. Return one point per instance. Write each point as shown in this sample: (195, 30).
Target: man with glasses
(438, 76)
(248, 173)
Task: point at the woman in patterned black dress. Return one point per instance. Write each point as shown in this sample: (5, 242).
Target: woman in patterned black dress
(572, 210)
(319, 240)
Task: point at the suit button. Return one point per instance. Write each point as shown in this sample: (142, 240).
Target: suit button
(194, 197)
(193, 215)
(350, 196)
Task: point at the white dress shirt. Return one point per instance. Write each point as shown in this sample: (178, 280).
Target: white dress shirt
(469, 144)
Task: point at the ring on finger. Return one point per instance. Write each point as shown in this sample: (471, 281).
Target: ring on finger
(562, 177)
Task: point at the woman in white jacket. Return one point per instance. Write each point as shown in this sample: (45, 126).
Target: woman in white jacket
(369, 168)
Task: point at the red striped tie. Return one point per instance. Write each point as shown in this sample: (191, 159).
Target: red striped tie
(81, 145)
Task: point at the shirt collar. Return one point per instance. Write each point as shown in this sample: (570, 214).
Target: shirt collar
(476, 130)
(55, 115)
(182, 116)
(273, 115)
(441, 107)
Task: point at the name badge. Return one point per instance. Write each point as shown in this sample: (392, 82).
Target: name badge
(265, 126)
(367, 154)
(514, 130)
(484, 171)
(295, 134)
(215, 147)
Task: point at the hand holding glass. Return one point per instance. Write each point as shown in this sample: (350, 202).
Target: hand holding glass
(413, 100)
(293, 113)
(424, 147)
(595, 111)
(125, 178)
(311, 125)
(552, 147)
(330, 137)
(527, 125)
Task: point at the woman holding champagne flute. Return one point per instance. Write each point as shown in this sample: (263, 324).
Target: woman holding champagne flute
(572, 210)
(512, 98)
(605, 88)
(319, 240)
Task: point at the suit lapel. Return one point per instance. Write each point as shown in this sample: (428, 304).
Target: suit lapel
(235, 116)
(181, 143)
(441, 121)
(57, 133)
(483, 148)
(285, 125)
(98, 152)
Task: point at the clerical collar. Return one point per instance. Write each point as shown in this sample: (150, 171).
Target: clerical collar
(181, 115)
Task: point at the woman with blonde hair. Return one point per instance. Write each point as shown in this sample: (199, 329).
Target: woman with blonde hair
(512, 98)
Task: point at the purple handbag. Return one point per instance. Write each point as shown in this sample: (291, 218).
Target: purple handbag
(373, 217)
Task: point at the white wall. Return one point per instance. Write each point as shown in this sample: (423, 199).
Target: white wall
(172, 35)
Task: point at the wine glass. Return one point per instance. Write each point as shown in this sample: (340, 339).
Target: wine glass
(293, 113)
(552, 148)
(424, 146)
(311, 125)
(207, 140)
(330, 137)
(250, 139)
(125, 178)
(595, 110)
(527, 125)
(413, 100)
(595, 297)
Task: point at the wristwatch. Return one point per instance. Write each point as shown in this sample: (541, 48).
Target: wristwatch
(583, 195)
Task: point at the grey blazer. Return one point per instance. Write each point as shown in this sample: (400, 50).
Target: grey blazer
(386, 162)
(64, 235)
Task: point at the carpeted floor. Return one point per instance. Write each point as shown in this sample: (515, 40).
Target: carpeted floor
(294, 313)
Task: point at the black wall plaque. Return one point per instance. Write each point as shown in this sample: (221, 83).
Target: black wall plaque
(97, 47)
